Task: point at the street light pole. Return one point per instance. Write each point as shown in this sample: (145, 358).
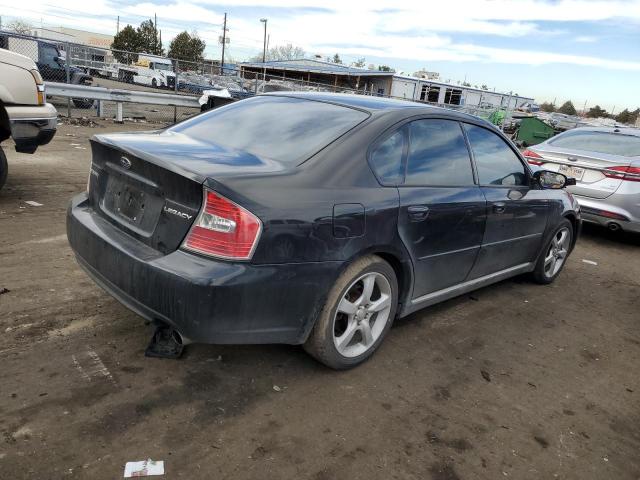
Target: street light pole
(264, 47)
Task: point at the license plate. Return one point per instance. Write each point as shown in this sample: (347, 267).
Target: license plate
(573, 172)
(128, 201)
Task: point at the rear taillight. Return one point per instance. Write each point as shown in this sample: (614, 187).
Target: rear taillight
(532, 157)
(631, 174)
(223, 229)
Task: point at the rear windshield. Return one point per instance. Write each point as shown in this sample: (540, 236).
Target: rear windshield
(600, 142)
(285, 129)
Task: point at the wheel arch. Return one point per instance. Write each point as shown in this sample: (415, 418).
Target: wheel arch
(404, 275)
(575, 223)
(401, 265)
(5, 127)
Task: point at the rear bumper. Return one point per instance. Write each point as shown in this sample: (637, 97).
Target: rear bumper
(207, 301)
(621, 211)
(32, 126)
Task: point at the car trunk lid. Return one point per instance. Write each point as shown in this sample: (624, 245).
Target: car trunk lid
(150, 185)
(591, 172)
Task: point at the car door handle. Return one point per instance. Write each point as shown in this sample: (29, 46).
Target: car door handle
(499, 207)
(418, 213)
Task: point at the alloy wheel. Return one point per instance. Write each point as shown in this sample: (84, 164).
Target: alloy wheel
(557, 253)
(362, 314)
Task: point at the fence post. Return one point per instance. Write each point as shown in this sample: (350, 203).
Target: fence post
(66, 67)
(175, 89)
(507, 112)
(119, 115)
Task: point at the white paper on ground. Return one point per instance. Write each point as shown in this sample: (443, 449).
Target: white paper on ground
(144, 468)
(32, 203)
(590, 262)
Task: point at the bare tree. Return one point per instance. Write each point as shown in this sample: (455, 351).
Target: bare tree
(360, 63)
(20, 26)
(282, 52)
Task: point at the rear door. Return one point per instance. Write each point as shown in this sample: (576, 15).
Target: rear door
(597, 159)
(442, 211)
(516, 213)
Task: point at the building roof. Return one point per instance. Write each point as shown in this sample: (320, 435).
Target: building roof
(316, 66)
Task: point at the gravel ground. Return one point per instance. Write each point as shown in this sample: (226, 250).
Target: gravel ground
(516, 380)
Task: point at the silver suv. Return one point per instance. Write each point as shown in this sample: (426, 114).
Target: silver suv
(24, 114)
(605, 161)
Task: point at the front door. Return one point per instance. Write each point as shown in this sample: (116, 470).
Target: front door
(516, 212)
(442, 212)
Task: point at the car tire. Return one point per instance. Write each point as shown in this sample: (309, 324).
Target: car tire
(4, 168)
(154, 83)
(554, 254)
(357, 314)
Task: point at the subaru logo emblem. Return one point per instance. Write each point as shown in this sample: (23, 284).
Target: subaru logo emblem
(125, 163)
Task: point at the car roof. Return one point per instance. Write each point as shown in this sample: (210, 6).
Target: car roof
(377, 105)
(616, 129)
(363, 102)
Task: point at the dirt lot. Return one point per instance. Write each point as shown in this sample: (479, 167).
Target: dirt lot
(516, 380)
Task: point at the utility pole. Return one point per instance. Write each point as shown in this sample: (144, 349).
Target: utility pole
(224, 41)
(264, 48)
(155, 34)
(118, 25)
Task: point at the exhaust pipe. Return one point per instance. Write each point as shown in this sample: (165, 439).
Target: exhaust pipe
(166, 342)
(613, 227)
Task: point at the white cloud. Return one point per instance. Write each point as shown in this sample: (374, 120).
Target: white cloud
(394, 29)
(586, 39)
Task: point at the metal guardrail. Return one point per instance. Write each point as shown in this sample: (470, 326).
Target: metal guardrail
(120, 96)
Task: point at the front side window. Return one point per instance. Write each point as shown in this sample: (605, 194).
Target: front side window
(49, 55)
(438, 154)
(386, 158)
(497, 164)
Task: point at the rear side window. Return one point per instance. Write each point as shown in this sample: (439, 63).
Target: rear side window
(497, 164)
(599, 142)
(386, 158)
(438, 154)
(285, 129)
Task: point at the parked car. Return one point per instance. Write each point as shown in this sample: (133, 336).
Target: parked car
(385, 207)
(605, 161)
(50, 61)
(24, 114)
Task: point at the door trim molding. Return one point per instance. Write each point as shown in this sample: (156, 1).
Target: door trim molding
(524, 237)
(460, 250)
(470, 285)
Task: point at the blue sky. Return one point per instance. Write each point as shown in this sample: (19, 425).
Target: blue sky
(583, 50)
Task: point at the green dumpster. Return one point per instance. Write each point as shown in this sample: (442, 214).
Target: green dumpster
(532, 130)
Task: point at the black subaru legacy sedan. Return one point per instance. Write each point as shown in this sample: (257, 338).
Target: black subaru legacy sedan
(313, 219)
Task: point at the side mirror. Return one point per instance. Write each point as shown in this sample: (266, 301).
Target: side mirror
(547, 179)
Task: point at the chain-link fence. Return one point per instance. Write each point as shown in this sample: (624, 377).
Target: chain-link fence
(67, 62)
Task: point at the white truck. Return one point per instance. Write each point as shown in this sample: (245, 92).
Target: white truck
(25, 116)
(149, 70)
